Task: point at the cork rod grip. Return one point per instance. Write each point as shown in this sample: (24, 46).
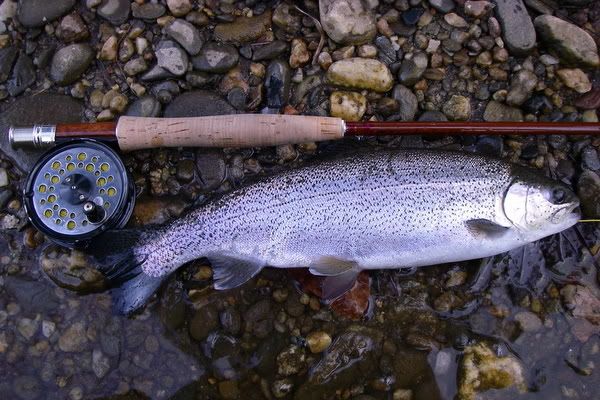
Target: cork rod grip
(239, 130)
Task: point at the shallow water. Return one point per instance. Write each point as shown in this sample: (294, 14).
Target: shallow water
(192, 342)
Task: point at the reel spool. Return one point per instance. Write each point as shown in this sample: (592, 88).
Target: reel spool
(78, 191)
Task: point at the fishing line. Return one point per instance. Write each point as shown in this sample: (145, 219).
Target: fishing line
(589, 220)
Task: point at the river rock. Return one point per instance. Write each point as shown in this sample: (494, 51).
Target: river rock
(74, 338)
(198, 103)
(412, 69)
(575, 79)
(588, 191)
(114, 11)
(481, 370)
(72, 29)
(347, 21)
(23, 75)
(8, 55)
(244, 29)
(573, 45)
(186, 34)
(34, 13)
(70, 62)
(146, 106)
(149, 11)
(216, 58)
(277, 83)
(443, 6)
(458, 108)
(517, 28)
(478, 8)
(72, 271)
(171, 57)
(349, 106)
(521, 87)
(407, 101)
(270, 51)
(496, 111)
(353, 353)
(361, 73)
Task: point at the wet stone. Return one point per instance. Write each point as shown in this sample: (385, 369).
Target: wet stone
(216, 58)
(407, 101)
(490, 145)
(318, 341)
(70, 62)
(361, 73)
(528, 321)
(27, 387)
(148, 11)
(171, 57)
(277, 84)
(412, 69)
(186, 34)
(432, 116)
(8, 56)
(347, 21)
(443, 6)
(22, 77)
(243, 29)
(269, 51)
(537, 104)
(521, 87)
(114, 11)
(73, 339)
(146, 106)
(72, 271)
(457, 108)
(588, 191)
(349, 106)
(100, 363)
(204, 321)
(72, 29)
(231, 320)
(291, 361)
(198, 103)
(590, 159)
(35, 13)
(518, 31)
(411, 17)
(496, 111)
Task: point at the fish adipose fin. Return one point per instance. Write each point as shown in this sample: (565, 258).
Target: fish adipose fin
(340, 276)
(231, 271)
(485, 229)
(130, 287)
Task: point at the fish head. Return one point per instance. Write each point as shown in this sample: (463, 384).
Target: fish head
(538, 206)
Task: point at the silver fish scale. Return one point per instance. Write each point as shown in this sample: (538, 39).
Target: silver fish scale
(387, 209)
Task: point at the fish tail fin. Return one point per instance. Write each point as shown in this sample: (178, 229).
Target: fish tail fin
(121, 258)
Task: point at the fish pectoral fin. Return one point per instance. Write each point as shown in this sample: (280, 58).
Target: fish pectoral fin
(231, 271)
(484, 228)
(331, 266)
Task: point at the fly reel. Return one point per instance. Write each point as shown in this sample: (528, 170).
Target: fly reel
(78, 191)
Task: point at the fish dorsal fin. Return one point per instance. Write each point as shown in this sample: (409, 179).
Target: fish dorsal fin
(232, 271)
(340, 276)
(331, 266)
(485, 229)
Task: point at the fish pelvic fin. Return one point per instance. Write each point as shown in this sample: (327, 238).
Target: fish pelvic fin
(230, 271)
(121, 262)
(340, 276)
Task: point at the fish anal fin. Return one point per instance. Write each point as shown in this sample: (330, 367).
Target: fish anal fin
(331, 266)
(335, 286)
(485, 229)
(232, 271)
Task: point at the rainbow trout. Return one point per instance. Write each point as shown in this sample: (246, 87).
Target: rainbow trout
(387, 209)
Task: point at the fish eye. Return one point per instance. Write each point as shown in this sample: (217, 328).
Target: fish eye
(558, 196)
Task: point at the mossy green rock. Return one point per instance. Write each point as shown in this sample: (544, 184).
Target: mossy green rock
(573, 45)
(481, 370)
(361, 73)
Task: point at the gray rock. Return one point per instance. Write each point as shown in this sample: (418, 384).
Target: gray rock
(407, 101)
(198, 103)
(156, 73)
(216, 58)
(517, 28)
(270, 51)
(490, 145)
(34, 13)
(521, 87)
(23, 75)
(574, 46)
(588, 191)
(347, 21)
(26, 111)
(27, 387)
(457, 108)
(148, 10)
(412, 69)
(33, 296)
(146, 106)
(277, 83)
(386, 53)
(243, 29)
(186, 35)
(114, 11)
(590, 159)
(496, 111)
(8, 55)
(135, 66)
(70, 62)
(100, 363)
(171, 57)
(433, 116)
(73, 339)
(287, 18)
(443, 6)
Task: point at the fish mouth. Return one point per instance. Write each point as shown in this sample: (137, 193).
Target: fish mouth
(571, 212)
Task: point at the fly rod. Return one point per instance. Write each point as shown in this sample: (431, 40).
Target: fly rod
(256, 130)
